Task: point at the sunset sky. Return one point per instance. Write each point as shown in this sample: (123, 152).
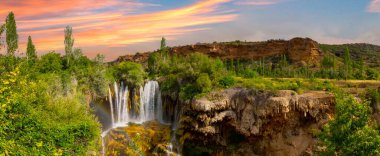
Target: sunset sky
(119, 27)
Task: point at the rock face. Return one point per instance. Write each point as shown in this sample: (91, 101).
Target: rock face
(138, 57)
(297, 49)
(247, 122)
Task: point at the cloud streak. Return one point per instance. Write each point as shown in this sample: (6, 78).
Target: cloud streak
(116, 23)
(258, 2)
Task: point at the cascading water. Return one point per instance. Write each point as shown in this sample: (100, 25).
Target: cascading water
(119, 105)
(150, 102)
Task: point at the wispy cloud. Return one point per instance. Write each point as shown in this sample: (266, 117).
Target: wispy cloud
(374, 6)
(114, 23)
(258, 2)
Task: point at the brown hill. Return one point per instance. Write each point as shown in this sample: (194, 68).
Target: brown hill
(297, 50)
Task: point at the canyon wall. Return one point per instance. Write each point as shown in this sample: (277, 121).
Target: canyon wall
(241, 121)
(297, 50)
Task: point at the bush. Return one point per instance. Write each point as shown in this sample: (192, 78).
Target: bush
(188, 92)
(250, 74)
(349, 133)
(204, 83)
(50, 63)
(373, 74)
(227, 81)
(131, 72)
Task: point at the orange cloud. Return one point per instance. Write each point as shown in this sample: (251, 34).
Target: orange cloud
(115, 25)
(374, 6)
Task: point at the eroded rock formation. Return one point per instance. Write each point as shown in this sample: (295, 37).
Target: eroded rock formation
(297, 49)
(248, 122)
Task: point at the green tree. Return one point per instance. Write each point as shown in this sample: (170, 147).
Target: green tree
(50, 63)
(360, 66)
(164, 50)
(349, 133)
(227, 81)
(153, 63)
(11, 34)
(31, 51)
(204, 83)
(284, 65)
(132, 73)
(328, 66)
(163, 43)
(347, 64)
(69, 44)
(372, 74)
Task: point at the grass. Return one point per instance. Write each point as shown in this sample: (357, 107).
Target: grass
(301, 84)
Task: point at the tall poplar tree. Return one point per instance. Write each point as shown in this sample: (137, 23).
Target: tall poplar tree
(31, 51)
(163, 43)
(347, 64)
(69, 44)
(11, 34)
(164, 50)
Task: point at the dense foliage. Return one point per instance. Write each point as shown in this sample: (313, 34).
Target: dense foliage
(350, 132)
(186, 77)
(44, 101)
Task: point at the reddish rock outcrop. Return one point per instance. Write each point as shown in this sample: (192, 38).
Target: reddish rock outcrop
(297, 49)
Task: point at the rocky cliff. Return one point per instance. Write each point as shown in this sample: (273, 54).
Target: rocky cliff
(297, 49)
(248, 122)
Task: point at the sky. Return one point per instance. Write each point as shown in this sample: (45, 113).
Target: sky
(120, 27)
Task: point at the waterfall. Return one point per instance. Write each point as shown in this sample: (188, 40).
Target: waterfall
(111, 105)
(142, 107)
(150, 102)
(119, 105)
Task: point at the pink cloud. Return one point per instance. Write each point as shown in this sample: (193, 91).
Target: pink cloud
(374, 6)
(117, 25)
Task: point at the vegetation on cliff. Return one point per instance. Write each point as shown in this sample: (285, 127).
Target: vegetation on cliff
(350, 132)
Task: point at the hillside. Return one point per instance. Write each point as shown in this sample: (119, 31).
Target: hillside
(368, 52)
(298, 50)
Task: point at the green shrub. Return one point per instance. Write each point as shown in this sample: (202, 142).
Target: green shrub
(131, 72)
(204, 83)
(189, 91)
(50, 63)
(349, 133)
(250, 73)
(227, 81)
